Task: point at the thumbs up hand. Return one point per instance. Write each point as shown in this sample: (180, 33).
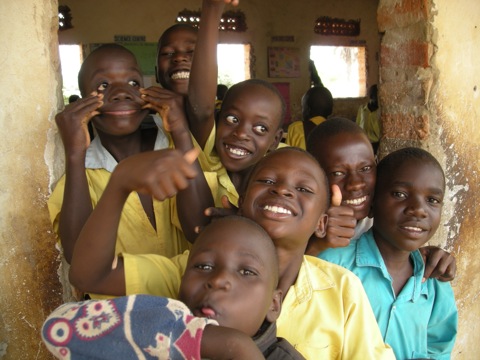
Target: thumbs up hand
(340, 226)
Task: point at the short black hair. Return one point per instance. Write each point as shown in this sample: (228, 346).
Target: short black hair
(268, 86)
(393, 160)
(332, 127)
(317, 101)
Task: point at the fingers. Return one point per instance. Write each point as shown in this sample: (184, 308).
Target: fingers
(336, 195)
(439, 264)
(191, 155)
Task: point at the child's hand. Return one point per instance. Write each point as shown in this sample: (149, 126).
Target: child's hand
(439, 264)
(160, 174)
(73, 122)
(340, 226)
(166, 102)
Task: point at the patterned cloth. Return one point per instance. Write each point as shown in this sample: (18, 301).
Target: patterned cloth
(122, 328)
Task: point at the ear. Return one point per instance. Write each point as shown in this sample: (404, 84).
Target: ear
(156, 75)
(276, 141)
(274, 310)
(321, 229)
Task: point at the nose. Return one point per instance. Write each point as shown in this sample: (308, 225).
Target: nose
(241, 132)
(182, 56)
(120, 93)
(282, 189)
(219, 280)
(354, 182)
(416, 207)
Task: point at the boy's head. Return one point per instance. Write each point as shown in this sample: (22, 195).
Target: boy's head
(408, 198)
(249, 124)
(174, 57)
(287, 194)
(343, 150)
(317, 101)
(113, 71)
(232, 275)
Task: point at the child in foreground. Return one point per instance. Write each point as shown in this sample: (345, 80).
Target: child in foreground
(344, 151)
(418, 319)
(230, 280)
(326, 312)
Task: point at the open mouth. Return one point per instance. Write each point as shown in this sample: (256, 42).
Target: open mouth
(356, 202)
(180, 75)
(237, 151)
(277, 209)
(120, 112)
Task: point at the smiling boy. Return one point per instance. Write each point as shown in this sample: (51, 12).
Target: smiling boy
(418, 319)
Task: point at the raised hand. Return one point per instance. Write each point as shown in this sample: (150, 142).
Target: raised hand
(340, 227)
(73, 122)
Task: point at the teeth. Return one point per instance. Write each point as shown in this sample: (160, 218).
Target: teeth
(237, 151)
(411, 228)
(277, 209)
(181, 75)
(356, 201)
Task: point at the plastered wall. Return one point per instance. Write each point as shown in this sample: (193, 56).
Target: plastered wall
(31, 158)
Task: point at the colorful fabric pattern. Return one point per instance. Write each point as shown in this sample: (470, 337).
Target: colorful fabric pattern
(122, 328)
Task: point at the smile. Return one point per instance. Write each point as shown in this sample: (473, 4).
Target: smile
(277, 209)
(180, 75)
(356, 202)
(237, 151)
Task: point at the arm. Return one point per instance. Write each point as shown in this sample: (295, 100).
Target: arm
(340, 227)
(76, 206)
(160, 174)
(225, 343)
(192, 201)
(202, 87)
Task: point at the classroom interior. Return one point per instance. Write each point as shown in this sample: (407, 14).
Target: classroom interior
(423, 54)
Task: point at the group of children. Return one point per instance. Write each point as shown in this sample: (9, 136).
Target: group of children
(127, 210)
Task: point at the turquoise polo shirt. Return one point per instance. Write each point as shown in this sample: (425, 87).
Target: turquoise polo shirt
(421, 322)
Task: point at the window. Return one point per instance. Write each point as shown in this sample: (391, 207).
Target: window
(70, 60)
(342, 69)
(233, 63)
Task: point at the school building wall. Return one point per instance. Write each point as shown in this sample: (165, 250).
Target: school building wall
(428, 74)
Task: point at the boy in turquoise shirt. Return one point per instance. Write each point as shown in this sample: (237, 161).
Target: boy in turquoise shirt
(418, 319)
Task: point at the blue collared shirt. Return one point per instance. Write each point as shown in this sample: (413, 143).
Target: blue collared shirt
(421, 322)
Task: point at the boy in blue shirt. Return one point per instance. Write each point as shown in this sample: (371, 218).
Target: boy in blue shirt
(418, 319)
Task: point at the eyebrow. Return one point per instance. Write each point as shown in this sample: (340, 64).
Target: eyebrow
(434, 190)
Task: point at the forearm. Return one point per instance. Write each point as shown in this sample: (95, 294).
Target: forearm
(204, 71)
(197, 197)
(94, 253)
(76, 205)
(224, 343)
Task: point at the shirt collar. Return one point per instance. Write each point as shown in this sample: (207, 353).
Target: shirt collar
(311, 278)
(97, 157)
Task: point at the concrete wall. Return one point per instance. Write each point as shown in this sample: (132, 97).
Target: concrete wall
(429, 90)
(264, 18)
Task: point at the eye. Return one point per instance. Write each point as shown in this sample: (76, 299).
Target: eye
(231, 119)
(266, 181)
(260, 129)
(134, 83)
(434, 201)
(204, 267)
(399, 195)
(304, 189)
(247, 272)
(166, 53)
(337, 173)
(366, 168)
(103, 86)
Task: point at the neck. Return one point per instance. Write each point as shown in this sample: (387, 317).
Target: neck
(121, 147)
(289, 264)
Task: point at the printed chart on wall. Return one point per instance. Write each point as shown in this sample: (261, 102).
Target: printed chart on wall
(283, 62)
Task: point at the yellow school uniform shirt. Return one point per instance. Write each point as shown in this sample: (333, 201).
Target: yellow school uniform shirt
(296, 133)
(325, 314)
(135, 235)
